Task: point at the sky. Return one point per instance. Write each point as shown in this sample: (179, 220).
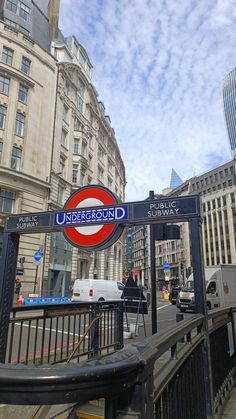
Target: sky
(158, 66)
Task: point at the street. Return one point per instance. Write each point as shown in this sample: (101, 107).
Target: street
(166, 318)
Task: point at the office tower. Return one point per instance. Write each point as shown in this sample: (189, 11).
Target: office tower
(229, 104)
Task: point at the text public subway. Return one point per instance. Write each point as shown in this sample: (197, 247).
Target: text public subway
(28, 221)
(163, 209)
(99, 215)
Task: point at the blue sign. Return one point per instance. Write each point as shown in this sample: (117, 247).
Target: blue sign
(38, 256)
(166, 266)
(87, 216)
(50, 300)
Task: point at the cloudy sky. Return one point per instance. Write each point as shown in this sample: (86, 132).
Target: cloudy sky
(158, 66)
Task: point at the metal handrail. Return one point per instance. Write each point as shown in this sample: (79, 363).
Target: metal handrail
(71, 356)
(83, 337)
(68, 382)
(124, 371)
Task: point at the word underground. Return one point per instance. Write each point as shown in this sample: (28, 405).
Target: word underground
(161, 209)
(87, 216)
(27, 221)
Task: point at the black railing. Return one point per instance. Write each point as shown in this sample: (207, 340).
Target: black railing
(161, 377)
(43, 334)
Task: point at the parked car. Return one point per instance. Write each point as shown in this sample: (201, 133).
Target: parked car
(173, 294)
(96, 290)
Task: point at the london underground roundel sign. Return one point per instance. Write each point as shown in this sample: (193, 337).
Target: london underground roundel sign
(92, 237)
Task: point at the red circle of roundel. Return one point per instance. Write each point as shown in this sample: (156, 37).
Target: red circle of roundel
(91, 240)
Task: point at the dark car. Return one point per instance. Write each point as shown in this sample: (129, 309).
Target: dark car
(173, 294)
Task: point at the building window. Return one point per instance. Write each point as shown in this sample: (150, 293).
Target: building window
(110, 165)
(81, 87)
(84, 149)
(79, 104)
(90, 140)
(7, 199)
(20, 124)
(82, 178)
(62, 166)
(25, 65)
(100, 173)
(22, 93)
(109, 181)
(74, 173)
(77, 125)
(63, 137)
(1, 146)
(24, 12)
(60, 193)
(11, 5)
(230, 182)
(226, 172)
(3, 112)
(76, 145)
(65, 113)
(4, 85)
(7, 55)
(66, 89)
(90, 159)
(231, 169)
(82, 60)
(76, 51)
(100, 153)
(16, 158)
(88, 70)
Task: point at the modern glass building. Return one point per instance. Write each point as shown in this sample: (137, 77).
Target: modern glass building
(175, 180)
(229, 104)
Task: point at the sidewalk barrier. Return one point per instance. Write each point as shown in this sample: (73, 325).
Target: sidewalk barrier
(20, 302)
(49, 300)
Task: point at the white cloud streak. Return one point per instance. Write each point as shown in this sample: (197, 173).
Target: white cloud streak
(158, 67)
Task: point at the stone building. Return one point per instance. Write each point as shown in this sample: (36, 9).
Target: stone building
(55, 137)
(217, 191)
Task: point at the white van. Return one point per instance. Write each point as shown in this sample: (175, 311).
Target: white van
(96, 290)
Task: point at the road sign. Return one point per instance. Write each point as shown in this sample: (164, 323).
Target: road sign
(166, 266)
(101, 206)
(92, 237)
(38, 256)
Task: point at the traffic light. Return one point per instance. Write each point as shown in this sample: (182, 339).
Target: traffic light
(166, 232)
(182, 268)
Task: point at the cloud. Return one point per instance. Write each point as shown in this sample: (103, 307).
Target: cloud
(158, 68)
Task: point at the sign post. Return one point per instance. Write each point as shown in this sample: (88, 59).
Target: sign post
(153, 273)
(93, 219)
(37, 258)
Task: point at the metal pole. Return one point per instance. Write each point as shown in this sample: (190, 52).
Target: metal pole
(153, 274)
(8, 262)
(198, 269)
(200, 306)
(35, 279)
